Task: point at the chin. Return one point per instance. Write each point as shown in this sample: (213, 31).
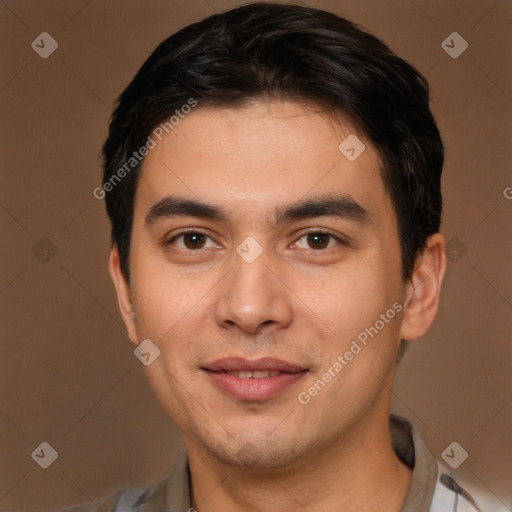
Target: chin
(257, 453)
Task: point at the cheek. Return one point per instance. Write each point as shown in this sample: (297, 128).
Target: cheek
(175, 311)
(348, 296)
(163, 295)
(350, 302)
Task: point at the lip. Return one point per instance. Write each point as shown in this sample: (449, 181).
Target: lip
(231, 364)
(253, 389)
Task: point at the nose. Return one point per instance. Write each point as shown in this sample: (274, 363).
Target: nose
(252, 298)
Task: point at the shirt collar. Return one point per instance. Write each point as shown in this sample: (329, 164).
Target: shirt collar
(413, 452)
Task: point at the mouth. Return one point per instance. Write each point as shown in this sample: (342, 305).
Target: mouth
(255, 380)
(257, 374)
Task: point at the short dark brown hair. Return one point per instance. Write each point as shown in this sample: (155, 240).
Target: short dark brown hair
(267, 50)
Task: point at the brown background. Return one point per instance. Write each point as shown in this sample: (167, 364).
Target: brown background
(68, 375)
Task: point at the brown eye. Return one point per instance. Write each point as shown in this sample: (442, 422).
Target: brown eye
(194, 240)
(191, 240)
(317, 240)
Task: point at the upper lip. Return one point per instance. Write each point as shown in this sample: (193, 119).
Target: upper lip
(232, 364)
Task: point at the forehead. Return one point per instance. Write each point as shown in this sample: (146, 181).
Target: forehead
(257, 157)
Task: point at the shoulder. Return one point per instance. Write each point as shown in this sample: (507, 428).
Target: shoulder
(124, 500)
(105, 504)
(174, 491)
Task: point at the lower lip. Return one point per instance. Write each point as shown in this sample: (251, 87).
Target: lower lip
(254, 389)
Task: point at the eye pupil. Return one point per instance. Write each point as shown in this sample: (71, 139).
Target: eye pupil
(193, 240)
(318, 240)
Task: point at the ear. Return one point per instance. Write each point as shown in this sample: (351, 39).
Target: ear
(423, 289)
(124, 299)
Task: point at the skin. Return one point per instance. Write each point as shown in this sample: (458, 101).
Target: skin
(295, 302)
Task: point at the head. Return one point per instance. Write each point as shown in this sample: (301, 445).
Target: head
(297, 129)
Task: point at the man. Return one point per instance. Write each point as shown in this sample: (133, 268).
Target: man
(272, 175)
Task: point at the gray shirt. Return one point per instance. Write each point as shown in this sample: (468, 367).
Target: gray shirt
(431, 489)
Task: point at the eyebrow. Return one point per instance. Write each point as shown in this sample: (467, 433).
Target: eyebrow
(342, 207)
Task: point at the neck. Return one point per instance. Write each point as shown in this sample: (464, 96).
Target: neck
(357, 472)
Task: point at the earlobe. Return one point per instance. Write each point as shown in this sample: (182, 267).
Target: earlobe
(123, 294)
(423, 289)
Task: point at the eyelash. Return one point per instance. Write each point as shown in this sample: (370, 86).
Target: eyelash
(201, 232)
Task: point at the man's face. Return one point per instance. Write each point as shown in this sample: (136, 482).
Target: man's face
(300, 290)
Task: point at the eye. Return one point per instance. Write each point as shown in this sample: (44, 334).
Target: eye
(191, 240)
(317, 240)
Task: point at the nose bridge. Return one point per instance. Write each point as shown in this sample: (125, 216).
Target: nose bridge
(251, 294)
